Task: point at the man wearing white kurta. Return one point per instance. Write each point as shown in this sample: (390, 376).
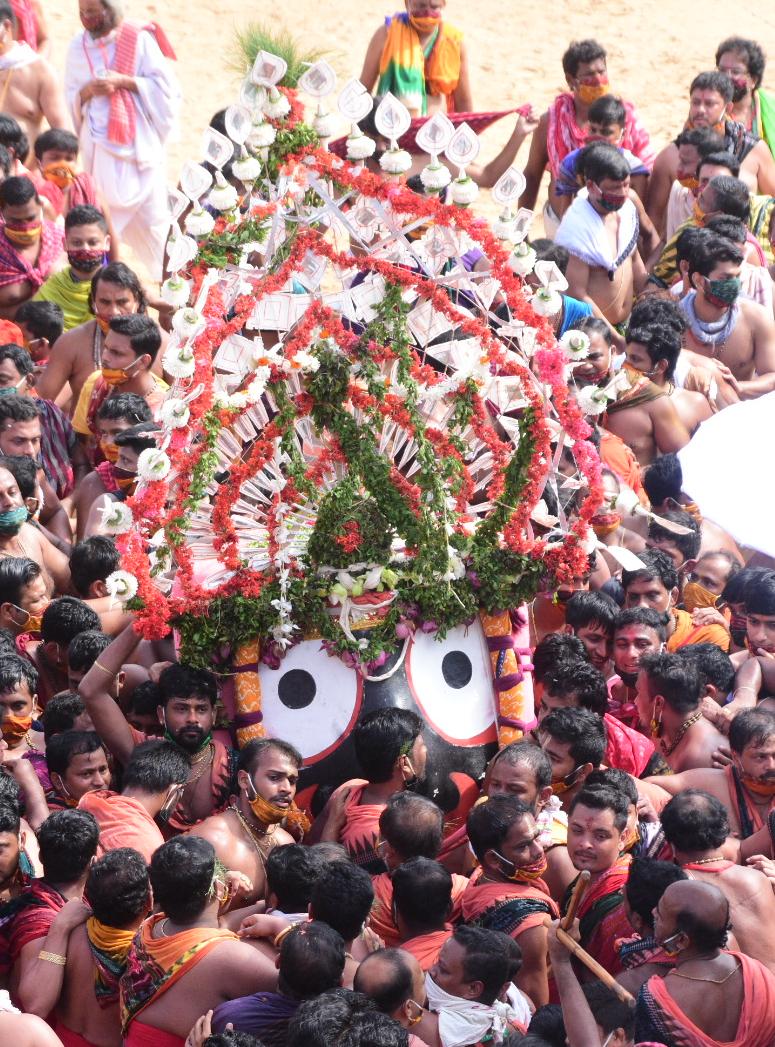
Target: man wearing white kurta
(124, 100)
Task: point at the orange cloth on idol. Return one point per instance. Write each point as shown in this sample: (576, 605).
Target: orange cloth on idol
(687, 633)
(426, 947)
(618, 457)
(756, 1027)
(381, 916)
(530, 903)
(123, 822)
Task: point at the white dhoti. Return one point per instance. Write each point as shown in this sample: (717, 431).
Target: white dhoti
(137, 198)
(131, 177)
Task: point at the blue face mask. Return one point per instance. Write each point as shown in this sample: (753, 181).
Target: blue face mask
(12, 519)
(8, 390)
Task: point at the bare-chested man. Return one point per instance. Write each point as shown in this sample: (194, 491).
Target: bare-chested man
(187, 700)
(722, 996)
(643, 416)
(669, 697)
(747, 786)
(83, 992)
(116, 291)
(600, 231)
(564, 127)
(654, 350)
(727, 333)
(31, 88)
(710, 97)
(182, 964)
(245, 833)
(18, 538)
(696, 825)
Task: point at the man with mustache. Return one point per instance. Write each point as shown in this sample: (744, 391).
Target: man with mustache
(251, 827)
(746, 787)
(508, 891)
(187, 709)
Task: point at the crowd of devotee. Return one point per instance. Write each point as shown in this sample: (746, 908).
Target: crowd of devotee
(607, 879)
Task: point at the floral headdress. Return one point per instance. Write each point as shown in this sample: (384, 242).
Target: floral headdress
(360, 423)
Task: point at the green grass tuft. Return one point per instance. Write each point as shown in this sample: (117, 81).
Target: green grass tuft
(257, 36)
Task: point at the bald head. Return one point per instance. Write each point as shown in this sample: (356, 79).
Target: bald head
(390, 977)
(699, 910)
(411, 827)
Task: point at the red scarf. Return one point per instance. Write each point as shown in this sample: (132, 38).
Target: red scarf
(121, 125)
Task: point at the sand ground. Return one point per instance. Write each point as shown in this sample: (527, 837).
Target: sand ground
(515, 49)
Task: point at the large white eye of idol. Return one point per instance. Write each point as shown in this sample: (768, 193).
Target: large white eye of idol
(311, 701)
(451, 681)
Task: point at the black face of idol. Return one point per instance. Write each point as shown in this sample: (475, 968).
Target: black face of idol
(315, 701)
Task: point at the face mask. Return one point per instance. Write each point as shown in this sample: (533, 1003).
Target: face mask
(628, 679)
(523, 873)
(24, 234)
(8, 390)
(86, 261)
(758, 786)
(738, 627)
(696, 595)
(171, 802)
(689, 182)
(12, 519)
(669, 944)
(607, 524)
(698, 214)
(611, 203)
(739, 88)
(294, 818)
(115, 375)
(109, 451)
(29, 622)
(60, 172)
(562, 786)
(104, 325)
(64, 792)
(425, 24)
(589, 93)
(722, 292)
(630, 838)
(125, 480)
(14, 728)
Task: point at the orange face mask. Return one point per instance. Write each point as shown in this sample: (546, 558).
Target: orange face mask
(14, 728)
(689, 182)
(606, 523)
(425, 24)
(104, 325)
(114, 375)
(758, 786)
(589, 93)
(109, 451)
(60, 172)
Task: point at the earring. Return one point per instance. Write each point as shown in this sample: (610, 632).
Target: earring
(656, 725)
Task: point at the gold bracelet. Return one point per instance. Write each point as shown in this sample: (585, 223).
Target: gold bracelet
(108, 672)
(52, 957)
(279, 937)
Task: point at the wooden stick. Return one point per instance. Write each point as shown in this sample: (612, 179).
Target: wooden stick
(591, 964)
(575, 899)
